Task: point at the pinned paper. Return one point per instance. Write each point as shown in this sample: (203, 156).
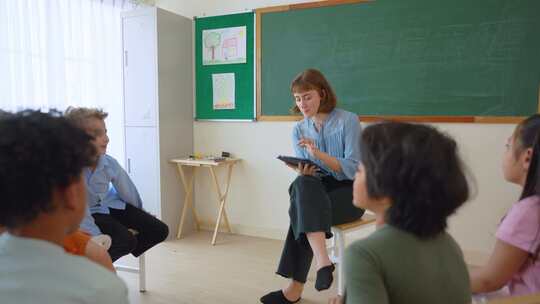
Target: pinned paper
(224, 46)
(223, 91)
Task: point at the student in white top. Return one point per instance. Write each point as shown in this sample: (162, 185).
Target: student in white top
(43, 200)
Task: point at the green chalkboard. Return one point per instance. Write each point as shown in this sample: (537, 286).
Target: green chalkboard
(408, 57)
(243, 72)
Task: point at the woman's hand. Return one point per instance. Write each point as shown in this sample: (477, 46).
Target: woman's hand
(304, 169)
(336, 300)
(309, 145)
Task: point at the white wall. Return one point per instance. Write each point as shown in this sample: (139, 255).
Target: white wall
(199, 8)
(258, 200)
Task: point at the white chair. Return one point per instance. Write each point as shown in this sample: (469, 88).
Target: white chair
(141, 270)
(337, 247)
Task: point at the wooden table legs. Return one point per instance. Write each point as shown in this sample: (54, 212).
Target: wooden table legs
(221, 199)
(188, 202)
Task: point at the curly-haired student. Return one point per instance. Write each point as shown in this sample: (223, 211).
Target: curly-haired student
(412, 178)
(42, 157)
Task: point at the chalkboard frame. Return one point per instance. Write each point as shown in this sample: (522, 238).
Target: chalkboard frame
(318, 4)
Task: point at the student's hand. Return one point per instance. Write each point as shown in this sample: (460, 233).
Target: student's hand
(309, 145)
(335, 300)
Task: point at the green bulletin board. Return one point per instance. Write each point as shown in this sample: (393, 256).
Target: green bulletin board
(244, 100)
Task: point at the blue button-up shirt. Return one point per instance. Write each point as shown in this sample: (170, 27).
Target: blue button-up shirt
(108, 186)
(339, 137)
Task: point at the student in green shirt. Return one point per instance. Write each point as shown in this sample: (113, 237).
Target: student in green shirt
(412, 178)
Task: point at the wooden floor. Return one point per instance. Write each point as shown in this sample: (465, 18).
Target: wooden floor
(239, 269)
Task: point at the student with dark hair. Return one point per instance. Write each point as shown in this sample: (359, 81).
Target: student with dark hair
(412, 178)
(329, 137)
(44, 200)
(514, 261)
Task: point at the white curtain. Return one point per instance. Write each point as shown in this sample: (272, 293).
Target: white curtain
(57, 53)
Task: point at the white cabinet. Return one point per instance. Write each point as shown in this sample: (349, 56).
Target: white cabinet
(143, 167)
(139, 70)
(158, 105)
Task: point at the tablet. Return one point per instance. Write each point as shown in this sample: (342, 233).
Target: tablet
(296, 160)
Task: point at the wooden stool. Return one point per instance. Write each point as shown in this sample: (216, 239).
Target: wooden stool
(337, 248)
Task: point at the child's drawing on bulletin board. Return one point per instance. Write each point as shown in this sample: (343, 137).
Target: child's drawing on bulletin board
(223, 91)
(224, 45)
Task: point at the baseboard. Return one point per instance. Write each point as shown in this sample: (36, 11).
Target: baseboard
(269, 233)
(274, 233)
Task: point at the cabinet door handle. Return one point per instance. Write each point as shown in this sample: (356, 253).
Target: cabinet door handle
(125, 58)
(129, 165)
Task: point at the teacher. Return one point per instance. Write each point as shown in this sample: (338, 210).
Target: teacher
(329, 137)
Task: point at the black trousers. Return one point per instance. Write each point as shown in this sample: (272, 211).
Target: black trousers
(151, 231)
(316, 205)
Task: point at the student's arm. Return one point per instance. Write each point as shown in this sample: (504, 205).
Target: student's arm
(517, 237)
(96, 253)
(123, 185)
(363, 278)
(505, 261)
(88, 224)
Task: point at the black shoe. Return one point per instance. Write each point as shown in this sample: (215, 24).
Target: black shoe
(277, 297)
(324, 277)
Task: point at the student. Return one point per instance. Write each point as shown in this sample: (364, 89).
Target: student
(115, 204)
(514, 260)
(43, 200)
(329, 137)
(411, 177)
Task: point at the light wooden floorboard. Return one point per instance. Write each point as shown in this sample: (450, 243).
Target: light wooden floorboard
(239, 269)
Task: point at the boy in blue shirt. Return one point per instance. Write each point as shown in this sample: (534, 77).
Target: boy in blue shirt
(115, 207)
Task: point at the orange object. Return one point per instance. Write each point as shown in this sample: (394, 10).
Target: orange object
(76, 242)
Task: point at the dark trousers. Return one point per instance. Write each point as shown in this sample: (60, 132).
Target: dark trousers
(316, 205)
(151, 231)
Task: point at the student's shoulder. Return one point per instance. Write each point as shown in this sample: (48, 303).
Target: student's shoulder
(364, 252)
(385, 241)
(95, 277)
(451, 245)
(375, 243)
(527, 208)
(110, 161)
(529, 203)
(522, 218)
